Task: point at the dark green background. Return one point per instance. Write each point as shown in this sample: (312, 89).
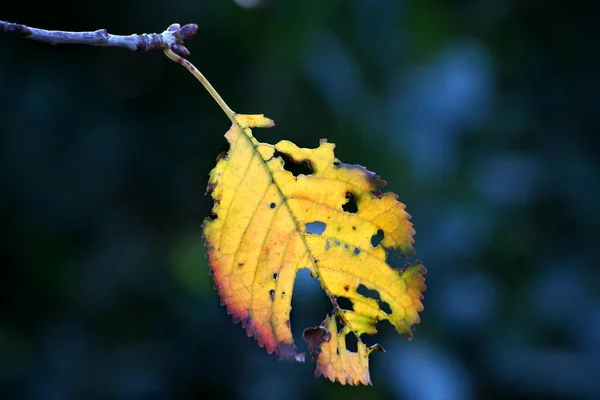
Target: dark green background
(482, 115)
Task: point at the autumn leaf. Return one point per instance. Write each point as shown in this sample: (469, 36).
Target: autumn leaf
(269, 223)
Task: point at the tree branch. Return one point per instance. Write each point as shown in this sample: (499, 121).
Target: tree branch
(173, 38)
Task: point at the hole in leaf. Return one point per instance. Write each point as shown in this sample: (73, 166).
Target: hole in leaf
(337, 243)
(385, 307)
(339, 323)
(374, 294)
(275, 275)
(327, 245)
(272, 205)
(345, 303)
(309, 303)
(350, 205)
(351, 342)
(377, 238)
(272, 294)
(324, 334)
(296, 168)
(316, 228)
(356, 251)
(385, 329)
(366, 292)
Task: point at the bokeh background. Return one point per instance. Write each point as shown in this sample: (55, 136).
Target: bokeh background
(482, 116)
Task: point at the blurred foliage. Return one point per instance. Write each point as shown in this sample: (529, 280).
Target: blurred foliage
(480, 115)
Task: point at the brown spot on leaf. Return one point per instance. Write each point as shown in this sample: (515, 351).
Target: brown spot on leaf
(210, 187)
(315, 337)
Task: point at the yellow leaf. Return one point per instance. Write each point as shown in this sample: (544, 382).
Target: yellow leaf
(268, 224)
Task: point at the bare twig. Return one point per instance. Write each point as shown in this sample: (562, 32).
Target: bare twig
(172, 38)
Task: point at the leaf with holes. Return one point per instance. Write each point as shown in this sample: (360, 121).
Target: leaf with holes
(269, 222)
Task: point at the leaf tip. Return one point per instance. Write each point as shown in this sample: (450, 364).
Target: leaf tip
(288, 352)
(376, 347)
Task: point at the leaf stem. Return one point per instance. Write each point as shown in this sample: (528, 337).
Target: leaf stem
(198, 75)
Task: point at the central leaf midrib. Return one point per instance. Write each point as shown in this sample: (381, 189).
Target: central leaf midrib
(255, 145)
(284, 199)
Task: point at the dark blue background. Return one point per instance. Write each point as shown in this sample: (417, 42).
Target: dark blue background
(482, 116)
